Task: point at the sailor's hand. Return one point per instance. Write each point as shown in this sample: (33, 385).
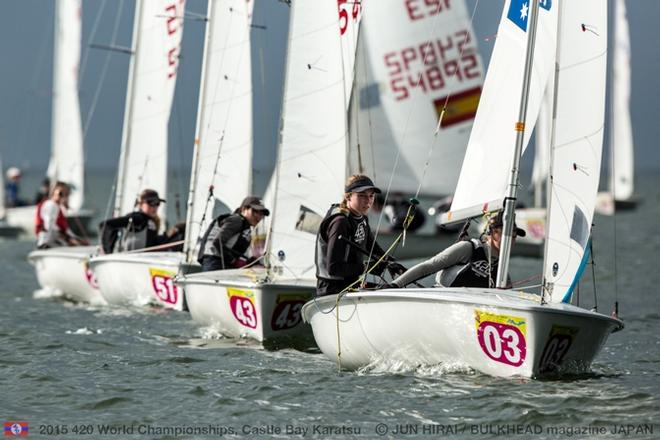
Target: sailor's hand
(395, 269)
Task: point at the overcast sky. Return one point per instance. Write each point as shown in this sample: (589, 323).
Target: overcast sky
(26, 29)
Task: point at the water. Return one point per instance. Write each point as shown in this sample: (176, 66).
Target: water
(75, 368)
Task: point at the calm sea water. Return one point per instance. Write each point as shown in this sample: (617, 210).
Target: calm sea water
(74, 371)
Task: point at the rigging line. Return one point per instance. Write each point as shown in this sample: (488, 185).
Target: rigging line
(85, 54)
(104, 71)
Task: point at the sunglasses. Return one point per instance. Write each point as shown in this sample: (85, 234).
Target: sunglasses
(153, 204)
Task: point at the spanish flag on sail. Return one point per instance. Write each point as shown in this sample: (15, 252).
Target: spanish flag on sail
(461, 107)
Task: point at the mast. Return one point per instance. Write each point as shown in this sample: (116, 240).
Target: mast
(512, 190)
(123, 155)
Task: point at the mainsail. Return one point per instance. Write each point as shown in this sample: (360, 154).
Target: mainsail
(311, 170)
(576, 154)
(67, 156)
(621, 139)
(412, 59)
(223, 144)
(157, 31)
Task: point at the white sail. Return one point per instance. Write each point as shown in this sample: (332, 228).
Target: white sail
(488, 159)
(312, 156)
(223, 144)
(621, 138)
(67, 155)
(417, 57)
(157, 35)
(576, 154)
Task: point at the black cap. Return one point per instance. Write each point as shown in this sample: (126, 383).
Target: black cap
(363, 183)
(150, 196)
(498, 222)
(255, 203)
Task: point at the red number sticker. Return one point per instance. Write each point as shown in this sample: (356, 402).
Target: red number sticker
(163, 286)
(502, 342)
(243, 310)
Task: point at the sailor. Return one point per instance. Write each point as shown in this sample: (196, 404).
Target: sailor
(43, 191)
(467, 263)
(51, 226)
(228, 237)
(342, 233)
(136, 230)
(12, 188)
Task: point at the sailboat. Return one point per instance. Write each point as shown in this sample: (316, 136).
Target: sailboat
(67, 269)
(157, 33)
(501, 331)
(264, 304)
(64, 271)
(620, 192)
(410, 71)
(66, 162)
(224, 131)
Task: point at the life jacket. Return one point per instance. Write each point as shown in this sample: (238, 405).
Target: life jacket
(136, 235)
(229, 251)
(358, 234)
(478, 272)
(39, 225)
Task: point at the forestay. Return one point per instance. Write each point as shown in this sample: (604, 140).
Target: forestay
(576, 154)
(158, 27)
(487, 164)
(311, 168)
(223, 144)
(417, 55)
(66, 154)
(621, 139)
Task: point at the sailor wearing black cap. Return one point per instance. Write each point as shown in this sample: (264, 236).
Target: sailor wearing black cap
(228, 237)
(467, 263)
(136, 230)
(339, 264)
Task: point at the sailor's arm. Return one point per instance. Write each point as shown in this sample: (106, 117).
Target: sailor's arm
(454, 254)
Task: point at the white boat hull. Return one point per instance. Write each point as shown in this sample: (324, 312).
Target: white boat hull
(241, 303)
(496, 332)
(140, 279)
(65, 271)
